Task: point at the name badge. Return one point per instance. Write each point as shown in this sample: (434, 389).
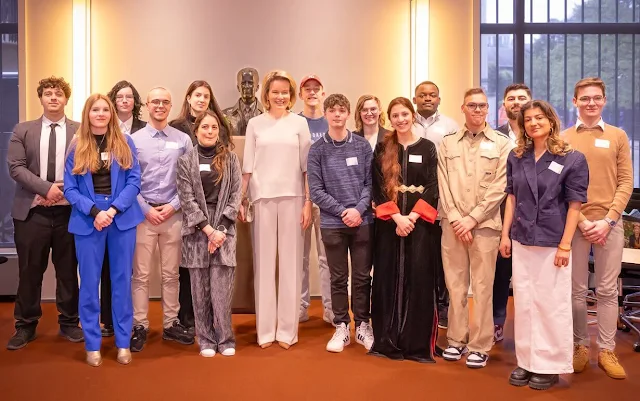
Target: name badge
(602, 143)
(172, 145)
(556, 168)
(487, 145)
(352, 161)
(205, 167)
(415, 158)
(104, 156)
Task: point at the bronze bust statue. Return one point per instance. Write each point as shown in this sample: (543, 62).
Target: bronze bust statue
(248, 105)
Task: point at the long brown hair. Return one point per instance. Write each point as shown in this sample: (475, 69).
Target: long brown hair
(389, 159)
(360, 105)
(185, 111)
(86, 156)
(555, 144)
(222, 148)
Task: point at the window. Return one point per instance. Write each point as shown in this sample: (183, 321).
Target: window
(551, 44)
(8, 111)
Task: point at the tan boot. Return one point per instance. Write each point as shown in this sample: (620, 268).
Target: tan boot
(94, 358)
(124, 356)
(608, 361)
(580, 358)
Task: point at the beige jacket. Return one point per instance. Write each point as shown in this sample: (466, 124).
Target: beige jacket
(472, 176)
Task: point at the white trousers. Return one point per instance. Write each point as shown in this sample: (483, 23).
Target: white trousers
(277, 230)
(542, 299)
(323, 267)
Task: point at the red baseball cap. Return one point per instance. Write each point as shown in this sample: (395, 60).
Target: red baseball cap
(309, 78)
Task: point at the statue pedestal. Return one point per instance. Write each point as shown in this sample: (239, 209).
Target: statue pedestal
(243, 300)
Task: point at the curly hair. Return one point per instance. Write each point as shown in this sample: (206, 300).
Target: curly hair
(137, 101)
(54, 82)
(555, 144)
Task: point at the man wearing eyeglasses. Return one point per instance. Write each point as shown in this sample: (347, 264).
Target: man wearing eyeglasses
(433, 125)
(159, 147)
(472, 167)
(610, 185)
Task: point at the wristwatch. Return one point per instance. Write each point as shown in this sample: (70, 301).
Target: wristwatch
(612, 223)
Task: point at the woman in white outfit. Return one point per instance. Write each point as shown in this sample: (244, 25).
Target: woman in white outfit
(275, 172)
(546, 186)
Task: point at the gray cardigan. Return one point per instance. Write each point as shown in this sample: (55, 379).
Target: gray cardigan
(194, 210)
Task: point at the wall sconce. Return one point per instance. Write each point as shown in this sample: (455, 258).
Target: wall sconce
(419, 42)
(81, 81)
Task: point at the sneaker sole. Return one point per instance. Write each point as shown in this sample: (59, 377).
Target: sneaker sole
(453, 358)
(12, 348)
(442, 326)
(544, 386)
(168, 338)
(133, 349)
(359, 341)
(335, 351)
(107, 334)
(476, 365)
(518, 383)
(70, 339)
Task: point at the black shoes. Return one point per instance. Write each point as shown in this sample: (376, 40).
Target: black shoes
(520, 377)
(107, 331)
(21, 338)
(536, 381)
(72, 333)
(138, 339)
(177, 333)
(543, 382)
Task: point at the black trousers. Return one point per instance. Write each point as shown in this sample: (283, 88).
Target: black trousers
(442, 294)
(45, 231)
(338, 243)
(105, 291)
(185, 314)
(501, 289)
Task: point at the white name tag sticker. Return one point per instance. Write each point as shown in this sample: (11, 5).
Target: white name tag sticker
(415, 158)
(205, 167)
(602, 143)
(556, 168)
(104, 156)
(352, 161)
(172, 145)
(487, 145)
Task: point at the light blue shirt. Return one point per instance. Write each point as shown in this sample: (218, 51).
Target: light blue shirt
(158, 153)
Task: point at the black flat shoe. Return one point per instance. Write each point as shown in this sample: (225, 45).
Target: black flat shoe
(520, 377)
(543, 382)
(107, 331)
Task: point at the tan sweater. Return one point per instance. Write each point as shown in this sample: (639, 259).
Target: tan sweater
(610, 170)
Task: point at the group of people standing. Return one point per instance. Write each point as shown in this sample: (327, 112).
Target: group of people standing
(427, 203)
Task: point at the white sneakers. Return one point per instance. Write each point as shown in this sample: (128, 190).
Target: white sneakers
(208, 353)
(342, 337)
(229, 352)
(364, 335)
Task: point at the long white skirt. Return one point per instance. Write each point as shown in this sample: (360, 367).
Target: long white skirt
(543, 321)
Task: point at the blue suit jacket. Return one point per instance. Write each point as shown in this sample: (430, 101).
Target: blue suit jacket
(125, 186)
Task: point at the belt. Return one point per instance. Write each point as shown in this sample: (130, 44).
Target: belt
(413, 189)
(157, 204)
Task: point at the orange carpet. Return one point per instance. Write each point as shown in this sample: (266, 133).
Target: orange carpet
(51, 368)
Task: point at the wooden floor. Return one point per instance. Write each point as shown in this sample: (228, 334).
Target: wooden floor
(51, 368)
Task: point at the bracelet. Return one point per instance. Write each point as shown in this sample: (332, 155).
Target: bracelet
(563, 248)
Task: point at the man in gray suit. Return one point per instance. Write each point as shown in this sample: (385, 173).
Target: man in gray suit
(36, 158)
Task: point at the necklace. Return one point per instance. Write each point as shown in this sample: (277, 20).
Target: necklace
(346, 139)
(206, 157)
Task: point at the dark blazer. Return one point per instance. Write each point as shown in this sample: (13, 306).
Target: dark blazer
(137, 125)
(23, 159)
(194, 211)
(125, 187)
(543, 190)
(381, 133)
(503, 129)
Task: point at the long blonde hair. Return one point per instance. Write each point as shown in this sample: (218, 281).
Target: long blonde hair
(360, 105)
(555, 144)
(86, 156)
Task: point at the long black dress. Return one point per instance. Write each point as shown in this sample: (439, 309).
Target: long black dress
(403, 306)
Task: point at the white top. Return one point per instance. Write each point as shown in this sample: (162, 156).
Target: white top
(275, 154)
(61, 144)
(125, 126)
(600, 123)
(435, 127)
(373, 141)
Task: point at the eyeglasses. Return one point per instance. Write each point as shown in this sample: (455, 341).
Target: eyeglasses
(474, 106)
(158, 102)
(596, 99)
(120, 98)
(373, 110)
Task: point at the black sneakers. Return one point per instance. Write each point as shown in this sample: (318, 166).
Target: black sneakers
(107, 331)
(72, 333)
(177, 333)
(21, 338)
(138, 339)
